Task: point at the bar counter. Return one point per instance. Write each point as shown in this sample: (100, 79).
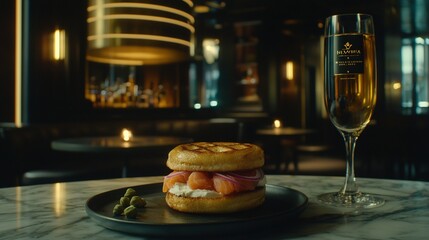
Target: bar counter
(57, 211)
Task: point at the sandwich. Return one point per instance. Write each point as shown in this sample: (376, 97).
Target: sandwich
(215, 177)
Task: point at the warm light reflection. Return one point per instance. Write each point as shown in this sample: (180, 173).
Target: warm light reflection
(189, 2)
(126, 135)
(59, 199)
(139, 36)
(59, 44)
(396, 85)
(211, 50)
(18, 207)
(99, 25)
(100, 6)
(18, 66)
(142, 17)
(201, 9)
(289, 70)
(277, 123)
(115, 61)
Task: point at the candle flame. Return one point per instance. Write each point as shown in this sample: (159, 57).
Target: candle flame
(277, 123)
(126, 135)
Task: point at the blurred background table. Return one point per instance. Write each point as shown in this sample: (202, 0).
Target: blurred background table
(284, 131)
(280, 144)
(52, 211)
(115, 144)
(117, 148)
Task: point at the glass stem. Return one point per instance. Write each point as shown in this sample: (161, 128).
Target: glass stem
(350, 186)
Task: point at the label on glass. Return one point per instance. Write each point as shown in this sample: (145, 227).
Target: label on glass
(349, 55)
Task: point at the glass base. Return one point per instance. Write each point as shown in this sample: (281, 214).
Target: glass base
(355, 200)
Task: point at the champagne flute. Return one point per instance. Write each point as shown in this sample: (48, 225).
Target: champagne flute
(350, 94)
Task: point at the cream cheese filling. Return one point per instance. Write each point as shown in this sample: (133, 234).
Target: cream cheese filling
(183, 190)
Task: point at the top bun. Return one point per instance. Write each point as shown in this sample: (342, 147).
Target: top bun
(215, 157)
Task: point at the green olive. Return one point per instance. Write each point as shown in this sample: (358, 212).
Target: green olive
(118, 209)
(138, 202)
(124, 201)
(130, 212)
(130, 193)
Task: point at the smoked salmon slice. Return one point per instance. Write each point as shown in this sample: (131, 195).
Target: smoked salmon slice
(172, 178)
(200, 180)
(223, 183)
(223, 186)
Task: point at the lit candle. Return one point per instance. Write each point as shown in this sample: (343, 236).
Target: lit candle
(126, 135)
(277, 123)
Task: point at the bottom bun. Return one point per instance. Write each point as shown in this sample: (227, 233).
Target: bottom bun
(227, 204)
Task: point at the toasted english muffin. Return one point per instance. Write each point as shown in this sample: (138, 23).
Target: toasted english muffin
(226, 204)
(215, 156)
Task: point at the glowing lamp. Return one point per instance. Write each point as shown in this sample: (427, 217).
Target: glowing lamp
(277, 123)
(137, 32)
(126, 135)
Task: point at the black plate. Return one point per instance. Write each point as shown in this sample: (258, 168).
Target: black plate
(157, 219)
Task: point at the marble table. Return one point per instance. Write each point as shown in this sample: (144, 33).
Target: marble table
(57, 211)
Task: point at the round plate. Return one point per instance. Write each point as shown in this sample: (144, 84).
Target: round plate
(157, 219)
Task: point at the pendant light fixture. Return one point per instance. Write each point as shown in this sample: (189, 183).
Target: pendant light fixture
(139, 32)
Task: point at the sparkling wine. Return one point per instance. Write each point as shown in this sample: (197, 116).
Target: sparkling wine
(351, 93)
